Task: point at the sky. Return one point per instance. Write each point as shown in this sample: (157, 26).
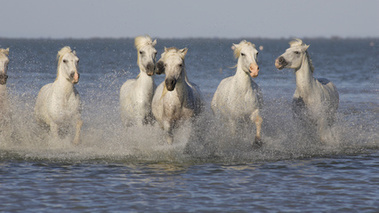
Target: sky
(189, 19)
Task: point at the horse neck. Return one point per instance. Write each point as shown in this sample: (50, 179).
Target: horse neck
(304, 77)
(182, 84)
(63, 86)
(144, 80)
(241, 77)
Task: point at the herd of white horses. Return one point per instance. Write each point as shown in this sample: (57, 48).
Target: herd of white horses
(237, 100)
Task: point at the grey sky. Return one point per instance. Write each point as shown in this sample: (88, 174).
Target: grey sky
(190, 18)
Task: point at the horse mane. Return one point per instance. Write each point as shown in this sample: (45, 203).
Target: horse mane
(238, 47)
(299, 43)
(141, 41)
(5, 51)
(60, 55)
(168, 51)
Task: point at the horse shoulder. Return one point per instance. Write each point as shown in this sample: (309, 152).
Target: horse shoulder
(75, 99)
(127, 88)
(197, 98)
(222, 91)
(156, 104)
(258, 94)
(44, 96)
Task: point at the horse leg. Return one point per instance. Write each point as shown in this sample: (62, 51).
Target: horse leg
(79, 124)
(54, 129)
(167, 126)
(257, 119)
(324, 131)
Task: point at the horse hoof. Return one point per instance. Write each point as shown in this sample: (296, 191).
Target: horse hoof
(257, 143)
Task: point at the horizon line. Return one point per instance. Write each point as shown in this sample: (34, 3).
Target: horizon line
(198, 37)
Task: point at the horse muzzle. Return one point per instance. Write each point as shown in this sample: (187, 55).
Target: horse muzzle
(280, 63)
(170, 84)
(254, 70)
(150, 68)
(75, 77)
(3, 79)
(159, 68)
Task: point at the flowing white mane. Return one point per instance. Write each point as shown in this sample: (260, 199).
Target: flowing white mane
(142, 41)
(299, 43)
(238, 47)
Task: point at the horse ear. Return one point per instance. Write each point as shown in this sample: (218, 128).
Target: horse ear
(154, 42)
(234, 46)
(74, 52)
(183, 52)
(165, 49)
(7, 51)
(307, 46)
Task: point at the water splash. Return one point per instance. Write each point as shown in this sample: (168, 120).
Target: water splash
(206, 140)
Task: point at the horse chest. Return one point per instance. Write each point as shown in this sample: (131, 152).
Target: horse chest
(177, 108)
(62, 108)
(242, 102)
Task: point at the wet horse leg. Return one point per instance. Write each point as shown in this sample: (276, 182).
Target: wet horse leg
(257, 119)
(168, 126)
(79, 124)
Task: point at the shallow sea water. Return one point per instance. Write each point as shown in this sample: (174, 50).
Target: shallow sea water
(206, 169)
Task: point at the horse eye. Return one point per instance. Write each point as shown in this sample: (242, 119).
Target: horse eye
(242, 54)
(180, 65)
(65, 61)
(141, 52)
(297, 52)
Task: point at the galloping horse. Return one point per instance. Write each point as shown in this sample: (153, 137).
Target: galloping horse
(176, 98)
(58, 103)
(315, 100)
(238, 98)
(136, 94)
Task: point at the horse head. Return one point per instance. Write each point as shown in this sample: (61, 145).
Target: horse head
(68, 65)
(172, 64)
(293, 57)
(247, 56)
(4, 60)
(146, 54)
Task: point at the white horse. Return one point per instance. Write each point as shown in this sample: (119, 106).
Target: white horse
(238, 98)
(176, 98)
(136, 94)
(315, 100)
(4, 104)
(58, 104)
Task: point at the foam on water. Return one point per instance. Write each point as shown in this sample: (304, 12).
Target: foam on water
(206, 140)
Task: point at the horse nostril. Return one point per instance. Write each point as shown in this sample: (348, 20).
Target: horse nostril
(150, 66)
(72, 74)
(170, 84)
(281, 60)
(159, 68)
